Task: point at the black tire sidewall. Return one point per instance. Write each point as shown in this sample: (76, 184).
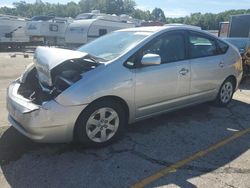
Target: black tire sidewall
(218, 101)
(80, 131)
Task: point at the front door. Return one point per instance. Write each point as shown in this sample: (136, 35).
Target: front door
(160, 87)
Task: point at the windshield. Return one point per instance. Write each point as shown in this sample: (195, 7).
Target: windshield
(113, 45)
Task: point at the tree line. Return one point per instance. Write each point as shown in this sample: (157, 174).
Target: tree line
(208, 21)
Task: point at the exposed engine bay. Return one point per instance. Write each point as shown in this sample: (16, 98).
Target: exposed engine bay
(63, 76)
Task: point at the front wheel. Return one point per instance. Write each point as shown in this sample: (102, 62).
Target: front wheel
(226, 92)
(101, 123)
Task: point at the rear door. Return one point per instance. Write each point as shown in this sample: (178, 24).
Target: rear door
(207, 65)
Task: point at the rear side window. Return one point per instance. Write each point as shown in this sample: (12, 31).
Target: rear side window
(222, 47)
(201, 46)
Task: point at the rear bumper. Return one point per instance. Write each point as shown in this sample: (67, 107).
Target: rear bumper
(49, 123)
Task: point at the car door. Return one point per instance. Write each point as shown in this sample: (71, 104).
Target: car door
(207, 66)
(160, 87)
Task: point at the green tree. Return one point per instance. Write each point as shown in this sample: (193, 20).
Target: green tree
(8, 11)
(21, 8)
(142, 15)
(129, 6)
(72, 9)
(108, 6)
(158, 15)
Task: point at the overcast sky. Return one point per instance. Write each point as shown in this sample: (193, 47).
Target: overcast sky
(172, 8)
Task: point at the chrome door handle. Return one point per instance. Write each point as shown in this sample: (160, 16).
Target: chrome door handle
(183, 71)
(221, 64)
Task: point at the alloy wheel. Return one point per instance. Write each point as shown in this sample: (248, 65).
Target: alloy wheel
(226, 92)
(102, 125)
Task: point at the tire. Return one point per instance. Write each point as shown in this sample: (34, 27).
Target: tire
(99, 119)
(226, 92)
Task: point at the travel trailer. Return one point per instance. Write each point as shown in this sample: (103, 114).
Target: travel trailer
(12, 32)
(89, 26)
(223, 29)
(49, 30)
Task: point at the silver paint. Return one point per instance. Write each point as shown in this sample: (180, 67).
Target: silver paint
(147, 91)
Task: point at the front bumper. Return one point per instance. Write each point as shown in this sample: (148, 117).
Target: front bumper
(49, 123)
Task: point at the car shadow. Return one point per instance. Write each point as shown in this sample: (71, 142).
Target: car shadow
(147, 146)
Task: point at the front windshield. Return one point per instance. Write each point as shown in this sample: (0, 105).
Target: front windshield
(114, 44)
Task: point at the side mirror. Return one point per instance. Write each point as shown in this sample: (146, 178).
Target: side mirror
(151, 59)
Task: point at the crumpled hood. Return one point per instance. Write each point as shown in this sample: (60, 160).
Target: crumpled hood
(47, 58)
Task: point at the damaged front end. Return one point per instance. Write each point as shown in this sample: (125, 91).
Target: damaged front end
(30, 99)
(53, 71)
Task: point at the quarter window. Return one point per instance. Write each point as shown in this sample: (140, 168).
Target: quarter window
(222, 47)
(201, 46)
(170, 47)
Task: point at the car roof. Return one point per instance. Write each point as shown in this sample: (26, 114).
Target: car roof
(154, 29)
(144, 29)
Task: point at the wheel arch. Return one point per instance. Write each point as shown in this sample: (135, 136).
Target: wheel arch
(105, 98)
(233, 79)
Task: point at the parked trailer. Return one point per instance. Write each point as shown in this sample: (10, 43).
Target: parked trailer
(49, 30)
(58, 31)
(223, 29)
(89, 26)
(238, 26)
(12, 32)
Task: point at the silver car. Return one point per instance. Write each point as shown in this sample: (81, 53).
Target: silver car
(89, 95)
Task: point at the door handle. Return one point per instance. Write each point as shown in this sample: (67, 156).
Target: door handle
(221, 64)
(183, 71)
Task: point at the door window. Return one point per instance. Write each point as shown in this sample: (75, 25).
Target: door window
(53, 27)
(201, 46)
(170, 47)
(102, 32)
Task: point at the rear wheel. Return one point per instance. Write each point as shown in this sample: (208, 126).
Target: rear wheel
(101, 123)
(226, 92)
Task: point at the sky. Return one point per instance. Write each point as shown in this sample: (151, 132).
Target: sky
(172, 8)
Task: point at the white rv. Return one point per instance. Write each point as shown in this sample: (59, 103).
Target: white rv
(12, 31)
(89, 26)
(49, 30)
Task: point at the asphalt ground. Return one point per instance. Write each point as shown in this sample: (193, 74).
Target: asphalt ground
(199, 146)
